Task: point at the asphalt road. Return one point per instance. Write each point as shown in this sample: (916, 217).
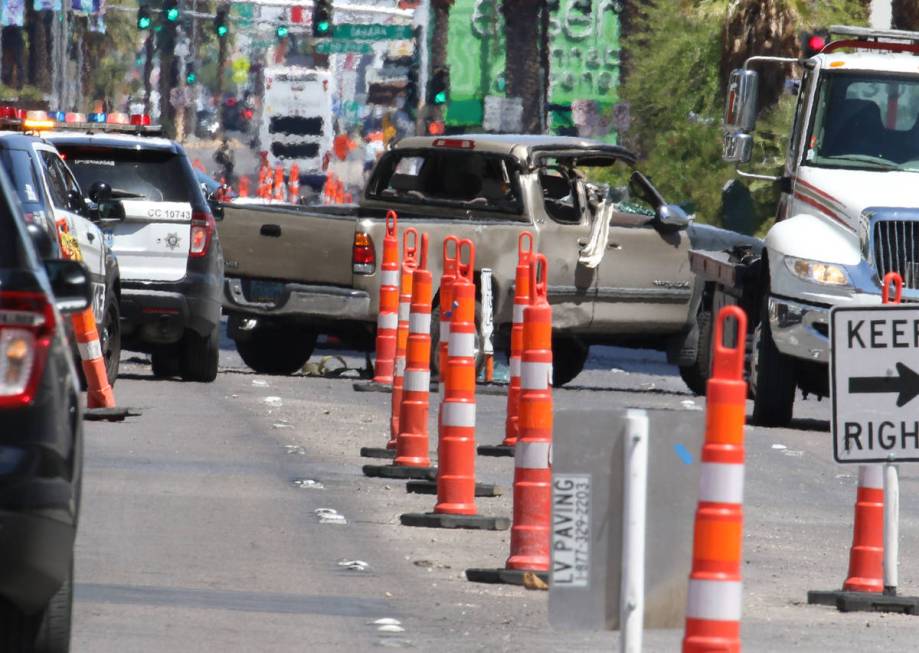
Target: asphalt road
(199, 530)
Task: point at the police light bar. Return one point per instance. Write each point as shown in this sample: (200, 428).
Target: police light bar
(14, 118)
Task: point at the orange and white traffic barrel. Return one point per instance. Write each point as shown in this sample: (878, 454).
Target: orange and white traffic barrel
(280, 191)
(244, 186)
(447, 277)
(388, 317)
(412, 442)
(409, 263)
(714, 599)
(293, 185)
(455, 507)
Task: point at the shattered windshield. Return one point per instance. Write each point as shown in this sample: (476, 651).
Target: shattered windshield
(866, 121)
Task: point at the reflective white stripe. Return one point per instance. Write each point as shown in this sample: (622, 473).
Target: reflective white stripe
(445, 332)
(461, 344)
(718, 600)
(721, 483)
(515, 366)
(387, 321)
(389, 278)
(90, 350)
(405, 310)
(871, 476)
(535, 376)
(459, 414)
(400, 366)
(532, 455)
(420, 323)
(518, 313)
(417, 381)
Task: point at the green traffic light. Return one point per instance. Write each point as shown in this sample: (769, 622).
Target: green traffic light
(172, 14)
(191, 78)
(282, 31)
(440, 97)
(323, 26)
(222, 30)
(143, 22)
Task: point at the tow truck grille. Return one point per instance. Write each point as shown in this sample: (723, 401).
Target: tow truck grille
(896, 249)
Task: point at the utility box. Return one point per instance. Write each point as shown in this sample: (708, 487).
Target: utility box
(587, 507)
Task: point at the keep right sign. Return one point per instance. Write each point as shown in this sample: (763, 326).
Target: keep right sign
(874, 379)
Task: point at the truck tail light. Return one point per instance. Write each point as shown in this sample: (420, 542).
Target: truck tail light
(363, 257)
(203, 227)
(26, 327)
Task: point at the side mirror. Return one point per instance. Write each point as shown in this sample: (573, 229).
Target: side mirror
(738, 147)
(41, 241)
(110, 211)
(70, 284)
(740, 105)
(100, 192)
(672, 218)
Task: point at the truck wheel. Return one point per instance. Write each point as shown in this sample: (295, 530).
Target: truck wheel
(276, 350)
(54, 628)
(110, 338)
(568, 358)
(435, 341)
(772, 377)
(199, 357)
(696, 375)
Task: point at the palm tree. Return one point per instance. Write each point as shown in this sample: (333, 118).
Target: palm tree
(905, 14)
(525, 70)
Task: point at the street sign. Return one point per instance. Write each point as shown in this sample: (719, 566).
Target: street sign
(371, 32)
(874, 378)
(341, 47)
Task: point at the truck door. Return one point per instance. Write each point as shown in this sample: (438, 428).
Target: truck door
(561, 236)
(644, 283)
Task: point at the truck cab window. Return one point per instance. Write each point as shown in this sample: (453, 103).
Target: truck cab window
(559, 195)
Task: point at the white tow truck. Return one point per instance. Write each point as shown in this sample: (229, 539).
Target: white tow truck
(848, 213)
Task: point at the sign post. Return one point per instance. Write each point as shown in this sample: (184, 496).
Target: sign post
(874, 358)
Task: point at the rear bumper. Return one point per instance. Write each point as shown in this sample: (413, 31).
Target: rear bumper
(318, 303)
(36, 553)
(159, 313)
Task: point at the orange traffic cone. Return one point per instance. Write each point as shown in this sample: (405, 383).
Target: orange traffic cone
(388, 319)
(409, 263)
(521, 300)
(455, 506)
(713, 604)
(99, 392)
(280, 191)
(412, 441)
(293, 185)
(244, 186)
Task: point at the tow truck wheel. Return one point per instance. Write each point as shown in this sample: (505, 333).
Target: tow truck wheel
(695, 376)
(276, 350)
(772, 377)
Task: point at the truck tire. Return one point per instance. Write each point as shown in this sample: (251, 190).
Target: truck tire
(435, 341)
(199, 356)
(276, 350)
(568, 358)
(772, 377)
(695, 376)
(54, 627)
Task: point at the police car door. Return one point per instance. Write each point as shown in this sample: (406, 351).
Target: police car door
(66, 201)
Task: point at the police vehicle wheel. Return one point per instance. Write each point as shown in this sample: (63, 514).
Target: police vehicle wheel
(199, 356)
(54, 627)
(110, 339)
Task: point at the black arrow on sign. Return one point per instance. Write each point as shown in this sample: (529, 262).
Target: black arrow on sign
(905, 384)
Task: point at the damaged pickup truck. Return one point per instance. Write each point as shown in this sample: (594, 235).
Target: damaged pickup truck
(618, 252)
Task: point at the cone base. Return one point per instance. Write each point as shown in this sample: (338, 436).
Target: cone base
(372, 386)
(430, 487)
(505, 576)
(378, 452)
(865, 602)
(495, 450)
(109, 414)
(400, 472)
(442, 520)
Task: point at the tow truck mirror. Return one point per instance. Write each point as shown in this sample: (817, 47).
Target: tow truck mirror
(740, 105)
(738, 147)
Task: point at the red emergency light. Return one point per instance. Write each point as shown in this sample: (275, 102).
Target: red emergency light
(816, 42)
